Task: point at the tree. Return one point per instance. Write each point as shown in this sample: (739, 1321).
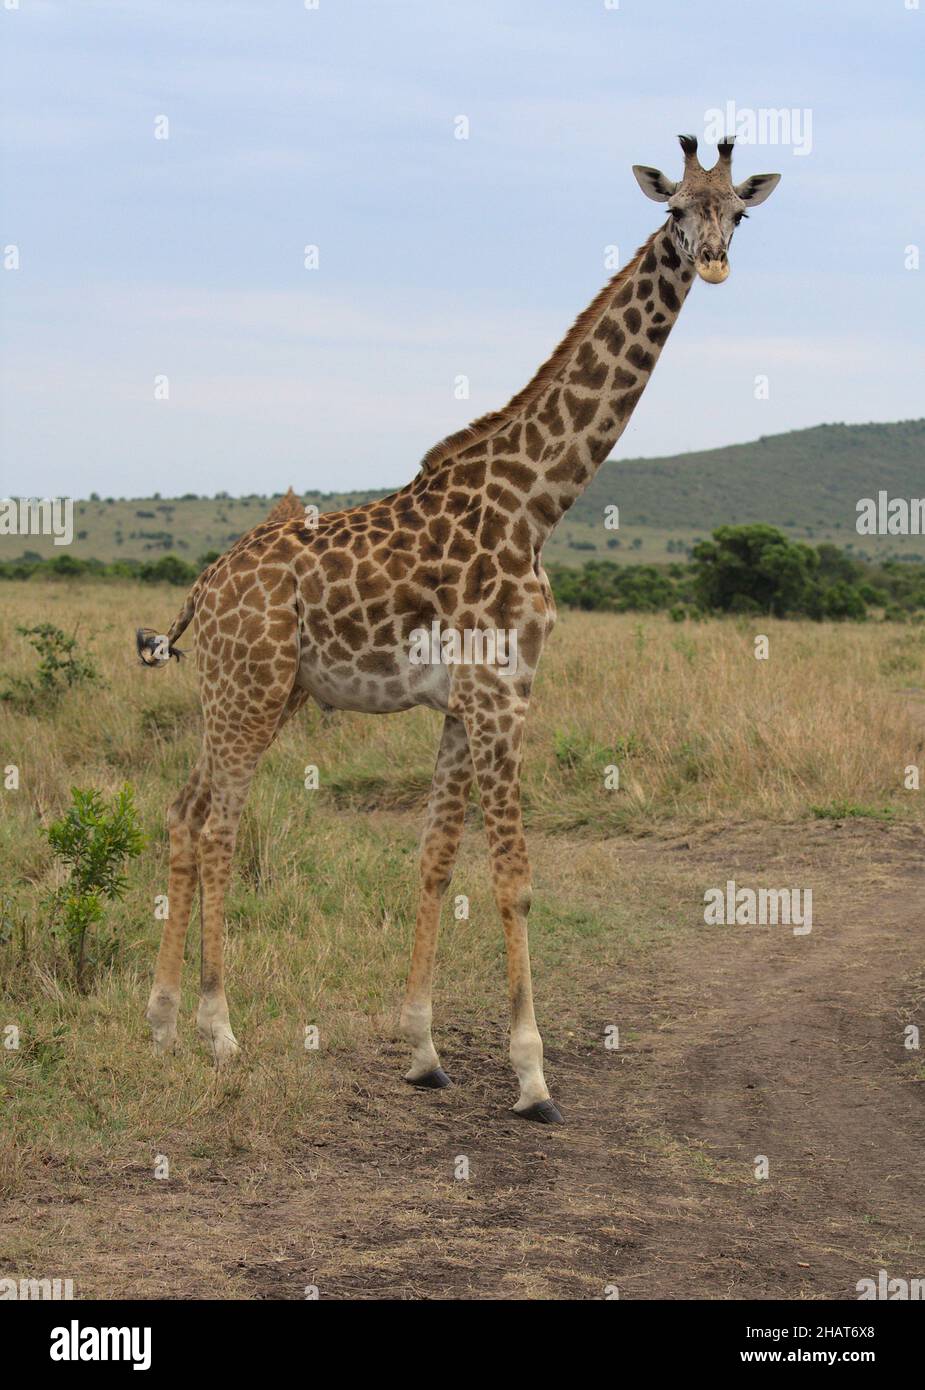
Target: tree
(755, 569)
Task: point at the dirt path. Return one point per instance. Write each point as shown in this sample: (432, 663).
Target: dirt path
(737, 1042)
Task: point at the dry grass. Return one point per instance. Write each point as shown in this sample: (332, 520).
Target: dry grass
(697, 725)
(321, 907)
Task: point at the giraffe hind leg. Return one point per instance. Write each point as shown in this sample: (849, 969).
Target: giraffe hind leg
(234, 754)
(185, 820)
(246, 699)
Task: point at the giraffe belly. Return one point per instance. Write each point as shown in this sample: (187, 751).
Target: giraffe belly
(354, 689)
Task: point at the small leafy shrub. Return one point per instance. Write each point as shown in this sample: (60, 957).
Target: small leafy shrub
(60, 668)
(93, 840)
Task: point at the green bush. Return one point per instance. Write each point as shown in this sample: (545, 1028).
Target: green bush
(842, 600)
(60, 668)
(93, 840)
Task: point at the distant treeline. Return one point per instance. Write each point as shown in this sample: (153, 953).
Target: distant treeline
(742, 569)
(169, 569)
(750, 569)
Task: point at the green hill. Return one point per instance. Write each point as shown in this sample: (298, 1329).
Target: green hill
(807, 482)
(805, 478)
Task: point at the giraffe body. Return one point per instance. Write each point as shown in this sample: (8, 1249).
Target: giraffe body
(331, 612)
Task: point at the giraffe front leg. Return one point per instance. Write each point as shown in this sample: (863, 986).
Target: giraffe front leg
(497, 757)
(526, 1050)
(446, 811)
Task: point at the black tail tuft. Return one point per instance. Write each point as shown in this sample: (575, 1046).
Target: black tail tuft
(160, 648)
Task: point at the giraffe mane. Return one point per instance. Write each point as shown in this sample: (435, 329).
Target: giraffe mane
(487, 425)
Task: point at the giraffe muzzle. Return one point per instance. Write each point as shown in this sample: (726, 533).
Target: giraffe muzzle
(712, 266)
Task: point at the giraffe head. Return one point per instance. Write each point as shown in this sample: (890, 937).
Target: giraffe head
(705, 206)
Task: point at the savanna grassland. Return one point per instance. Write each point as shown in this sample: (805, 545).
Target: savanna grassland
(300, 1166)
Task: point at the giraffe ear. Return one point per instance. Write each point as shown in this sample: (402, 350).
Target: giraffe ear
(653, 183)
(754, 190)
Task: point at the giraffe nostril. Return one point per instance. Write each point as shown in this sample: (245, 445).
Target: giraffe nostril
(706, 255)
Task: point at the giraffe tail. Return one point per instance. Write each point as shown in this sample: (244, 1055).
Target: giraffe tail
(156, 649)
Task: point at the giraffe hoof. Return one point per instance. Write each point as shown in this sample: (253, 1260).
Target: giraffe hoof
(224, 1048)
(220, 1041)
(164, 1041)
(545, 1112)
(431, 1081)
(161, 1016)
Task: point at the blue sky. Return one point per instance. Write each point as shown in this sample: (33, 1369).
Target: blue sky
(438, 257)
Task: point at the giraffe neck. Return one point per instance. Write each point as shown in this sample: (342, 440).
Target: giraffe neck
(578, 418)
(533, 459)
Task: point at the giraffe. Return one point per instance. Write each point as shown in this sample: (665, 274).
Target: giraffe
(330, 610)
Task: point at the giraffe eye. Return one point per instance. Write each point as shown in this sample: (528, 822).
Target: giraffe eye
(677, 213)
(737, 217)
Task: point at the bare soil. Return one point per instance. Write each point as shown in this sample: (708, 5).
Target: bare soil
(735, 1043)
